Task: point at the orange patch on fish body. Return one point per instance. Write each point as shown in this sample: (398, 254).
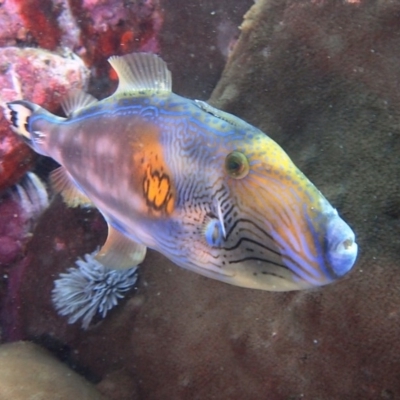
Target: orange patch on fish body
(151, 173)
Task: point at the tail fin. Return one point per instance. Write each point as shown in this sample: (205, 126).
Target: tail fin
(18, 116)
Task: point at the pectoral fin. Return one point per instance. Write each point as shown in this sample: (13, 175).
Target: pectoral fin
(120, 252)
(63, 183)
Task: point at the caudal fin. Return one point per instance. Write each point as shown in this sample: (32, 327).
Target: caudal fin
(19, 113)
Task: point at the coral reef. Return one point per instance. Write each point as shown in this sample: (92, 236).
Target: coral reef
(15, 157)
(42, 77)
(29, 372)
(321, 79)
(112, 27)
(54, 248)
(94, 29)
(20, 206)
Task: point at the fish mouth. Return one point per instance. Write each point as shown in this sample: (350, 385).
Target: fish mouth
(318, 251)
(341, 246)
(335, 248)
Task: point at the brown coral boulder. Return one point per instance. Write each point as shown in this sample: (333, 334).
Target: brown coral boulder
(321, 79)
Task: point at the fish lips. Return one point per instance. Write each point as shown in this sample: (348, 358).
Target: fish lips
(341, 246)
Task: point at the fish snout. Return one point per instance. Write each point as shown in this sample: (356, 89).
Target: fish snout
(341, 246)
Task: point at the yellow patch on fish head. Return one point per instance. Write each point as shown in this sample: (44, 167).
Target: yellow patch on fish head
(284, 207)
(273, 178)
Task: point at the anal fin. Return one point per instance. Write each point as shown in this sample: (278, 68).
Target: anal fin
(62, 183)
(120, 252)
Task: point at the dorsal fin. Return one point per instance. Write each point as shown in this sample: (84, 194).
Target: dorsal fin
(141, 72)
(76, 100)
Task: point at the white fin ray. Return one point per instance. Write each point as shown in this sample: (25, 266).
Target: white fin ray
(77, 100)
(140, 72)
(62, 183)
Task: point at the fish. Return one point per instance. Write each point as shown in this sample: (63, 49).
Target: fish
(209, 191)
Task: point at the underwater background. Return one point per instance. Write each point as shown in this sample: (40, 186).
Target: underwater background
(319, 77)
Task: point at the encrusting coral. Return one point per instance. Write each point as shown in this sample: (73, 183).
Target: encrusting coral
(20, 206)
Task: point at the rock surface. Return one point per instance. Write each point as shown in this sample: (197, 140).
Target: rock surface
(28, 372)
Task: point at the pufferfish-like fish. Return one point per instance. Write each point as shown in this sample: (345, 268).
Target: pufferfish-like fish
(209, 191)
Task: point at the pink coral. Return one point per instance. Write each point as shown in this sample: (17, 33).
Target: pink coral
(15, 157)
(12, 26)
(111, 27)
(39, 76)
(19, 208)
(95, 29)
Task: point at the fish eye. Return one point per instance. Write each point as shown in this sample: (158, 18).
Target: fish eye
(237, 165)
